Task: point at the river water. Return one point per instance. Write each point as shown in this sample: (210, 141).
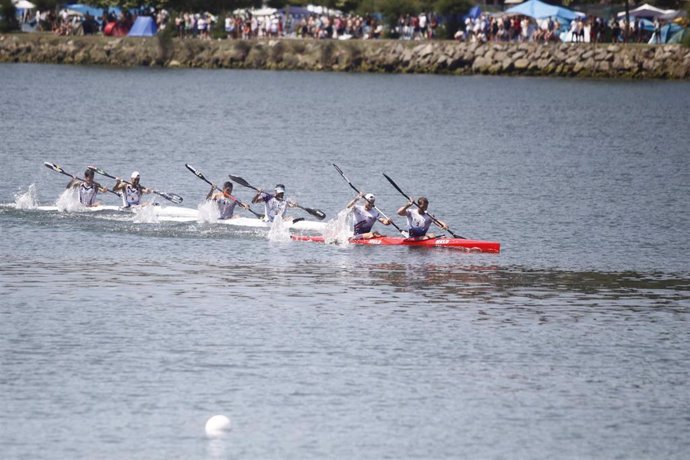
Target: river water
(119, 337)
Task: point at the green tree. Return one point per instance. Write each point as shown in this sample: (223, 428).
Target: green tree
(451, 12)
(8, 21)
(393, 9)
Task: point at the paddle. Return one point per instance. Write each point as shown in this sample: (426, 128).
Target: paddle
(402, 232)
(59, 169)
(198, 174)
(415, 203)
(314, 212)
(177, 199)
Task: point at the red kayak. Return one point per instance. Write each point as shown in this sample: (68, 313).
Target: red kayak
(457, 243)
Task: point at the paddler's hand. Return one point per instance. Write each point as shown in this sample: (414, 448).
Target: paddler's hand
(291, 203)
(386, 221)
(244, 205)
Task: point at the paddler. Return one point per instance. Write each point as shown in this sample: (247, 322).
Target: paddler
(88, 189)
(131, 192)
(275, 205)
(418, 220)
(365, 216)
(225, 201)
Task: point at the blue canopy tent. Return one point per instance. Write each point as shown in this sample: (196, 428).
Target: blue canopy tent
(667, 31)
(144, 26)
(474, 12)
(92, 10)
(540, 10)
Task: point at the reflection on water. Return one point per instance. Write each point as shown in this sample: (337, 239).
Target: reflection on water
(443, 285)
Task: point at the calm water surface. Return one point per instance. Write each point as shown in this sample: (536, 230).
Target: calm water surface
(119, 339)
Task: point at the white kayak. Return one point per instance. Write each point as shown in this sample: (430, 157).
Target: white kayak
(183, 214)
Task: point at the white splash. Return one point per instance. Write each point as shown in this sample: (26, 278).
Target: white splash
(68, 201)
(280, 230)
(339, 229)
(217, 426)
(28, 199)
(208, 212)
(145, 214)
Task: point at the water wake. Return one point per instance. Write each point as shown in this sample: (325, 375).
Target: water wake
(208, 212)
(145, 214)
(280, 230)
(68, 201)
(339, 229)
(28, 199)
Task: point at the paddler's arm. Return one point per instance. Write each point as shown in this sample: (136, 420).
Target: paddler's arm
(258, 197)
(119, 185)
(403, 210)
(441, 224)
(385, 221)
(354, 200)
(210, 194)
(74, 183)
(101, 188)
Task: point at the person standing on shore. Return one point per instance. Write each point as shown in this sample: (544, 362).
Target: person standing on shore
(418, 220)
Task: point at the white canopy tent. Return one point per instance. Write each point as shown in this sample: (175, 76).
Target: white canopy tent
(24, 5)
(646, 11)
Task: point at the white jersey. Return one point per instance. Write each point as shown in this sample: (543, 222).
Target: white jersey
(273, 207)
(87, 194)
(226, 207)
(132, 195)
(364, 219)
(417, 223)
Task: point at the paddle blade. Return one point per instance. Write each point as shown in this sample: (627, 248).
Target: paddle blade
(99, 171)
(240, 181)
(54, 167)
(396, 186)
(194, 171)
(177, 199)
(316, 213)
(338, 169)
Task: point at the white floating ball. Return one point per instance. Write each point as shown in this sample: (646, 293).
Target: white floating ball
(217, 426)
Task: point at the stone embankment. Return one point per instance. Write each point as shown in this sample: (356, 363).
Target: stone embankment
(442, 57)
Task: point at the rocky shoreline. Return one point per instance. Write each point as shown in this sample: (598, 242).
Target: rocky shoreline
(604, 60)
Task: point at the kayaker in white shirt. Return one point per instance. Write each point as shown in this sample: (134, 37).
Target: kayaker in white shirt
(226, 202)
(88, 189)
(275, 205)
(365, 216)
(131, 193)
(418, 220)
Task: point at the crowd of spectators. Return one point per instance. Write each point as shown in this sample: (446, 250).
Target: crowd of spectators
(515, 28)
(246, 26)
(425, 26)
